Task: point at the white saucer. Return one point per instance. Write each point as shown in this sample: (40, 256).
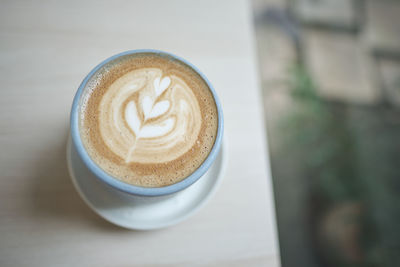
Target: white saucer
(143, 213)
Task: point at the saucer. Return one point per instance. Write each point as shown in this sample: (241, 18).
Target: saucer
(144, 213)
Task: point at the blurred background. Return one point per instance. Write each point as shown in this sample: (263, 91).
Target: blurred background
(331, 85)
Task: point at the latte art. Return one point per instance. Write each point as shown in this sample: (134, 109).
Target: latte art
(147, 118)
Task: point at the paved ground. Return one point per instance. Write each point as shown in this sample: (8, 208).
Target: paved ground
(330, 74)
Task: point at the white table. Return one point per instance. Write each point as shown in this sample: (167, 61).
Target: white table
(45, 52)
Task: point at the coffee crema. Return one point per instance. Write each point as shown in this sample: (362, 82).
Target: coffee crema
(148, 119)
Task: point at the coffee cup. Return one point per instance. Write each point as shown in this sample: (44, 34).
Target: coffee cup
(143, 77)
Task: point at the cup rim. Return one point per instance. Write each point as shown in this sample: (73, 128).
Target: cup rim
(129, 188)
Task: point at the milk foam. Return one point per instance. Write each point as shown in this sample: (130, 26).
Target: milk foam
(144, 112)
(148, 119)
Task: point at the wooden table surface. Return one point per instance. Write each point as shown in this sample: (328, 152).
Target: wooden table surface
(46, 50)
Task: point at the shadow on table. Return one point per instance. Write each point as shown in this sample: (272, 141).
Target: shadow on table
(53, 194)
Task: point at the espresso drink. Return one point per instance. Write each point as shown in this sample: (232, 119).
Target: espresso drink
(148, 119)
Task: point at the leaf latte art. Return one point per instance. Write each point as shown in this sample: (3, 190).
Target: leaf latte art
(147, 118)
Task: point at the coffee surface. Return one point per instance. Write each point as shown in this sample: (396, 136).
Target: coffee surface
(147, 119)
